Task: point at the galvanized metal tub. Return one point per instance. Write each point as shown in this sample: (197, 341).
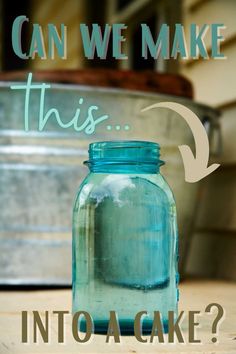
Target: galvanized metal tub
(41, 171)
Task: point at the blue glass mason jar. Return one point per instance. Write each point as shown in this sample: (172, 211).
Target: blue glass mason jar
(124, 237)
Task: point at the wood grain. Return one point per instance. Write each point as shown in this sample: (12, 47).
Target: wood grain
(195, 295)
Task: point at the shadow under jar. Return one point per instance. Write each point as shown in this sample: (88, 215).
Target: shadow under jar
(124, 238)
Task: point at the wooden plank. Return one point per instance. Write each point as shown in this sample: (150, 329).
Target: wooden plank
(196, 4)
(218, 201)
(129, 11)
(211, 76)
(195, 295)
(221, 263)
(209, 12)
(230, 40)
(228, 130)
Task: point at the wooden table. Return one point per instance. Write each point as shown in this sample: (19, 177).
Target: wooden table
(194, 295)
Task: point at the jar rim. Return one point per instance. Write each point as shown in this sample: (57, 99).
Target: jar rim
(138, 154)
(116, 144)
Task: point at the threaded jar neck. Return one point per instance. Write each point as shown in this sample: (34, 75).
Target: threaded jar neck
(124, 156)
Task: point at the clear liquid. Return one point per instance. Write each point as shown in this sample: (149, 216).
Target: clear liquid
(99, 298)
(124, 254)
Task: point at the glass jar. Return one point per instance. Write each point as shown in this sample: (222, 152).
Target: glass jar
(124, 237)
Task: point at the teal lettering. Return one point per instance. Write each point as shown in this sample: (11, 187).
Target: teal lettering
(197, 46)
(16, 36)
(215, 39)
(37, 43)
(179, 45)
(117, 39)
(96, 41)
(28, 88)
(54, 40)
(88, 125)
(92, 123)
(161, 45)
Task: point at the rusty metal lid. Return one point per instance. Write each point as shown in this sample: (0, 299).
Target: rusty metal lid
(146, 81)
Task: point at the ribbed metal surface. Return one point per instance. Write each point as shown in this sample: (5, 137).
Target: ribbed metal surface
(41, 171)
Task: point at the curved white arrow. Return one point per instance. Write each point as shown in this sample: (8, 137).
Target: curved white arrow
(195, 167)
